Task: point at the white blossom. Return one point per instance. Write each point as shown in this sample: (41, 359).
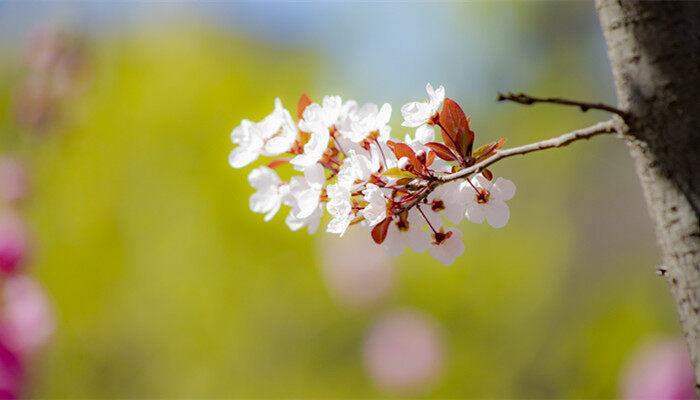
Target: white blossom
(489, 202)
(416, 114)
(268, 197)
(405, 233)
(294, 222)
(343, 150)
(340, 207)
(306, 191)
(446, 246)
(279, 131)
(445, 200)
(375, 211)
(250, 143)
(272, 136)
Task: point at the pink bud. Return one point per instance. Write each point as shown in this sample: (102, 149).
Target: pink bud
(403, 353)
(404, 164)
(27, 319)
(14, 180)
(659, 370)
(421, 156)
(14, 242)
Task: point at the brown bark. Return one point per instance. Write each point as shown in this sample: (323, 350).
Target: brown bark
(654, 51)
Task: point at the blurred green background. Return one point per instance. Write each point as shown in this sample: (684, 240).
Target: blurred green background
(166, 285)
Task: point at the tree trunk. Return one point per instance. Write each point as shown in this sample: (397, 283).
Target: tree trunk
(654, 51)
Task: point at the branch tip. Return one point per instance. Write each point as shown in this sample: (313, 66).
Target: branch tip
(522, 98)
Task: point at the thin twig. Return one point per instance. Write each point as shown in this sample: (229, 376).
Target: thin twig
(605, 127)
(523, 98)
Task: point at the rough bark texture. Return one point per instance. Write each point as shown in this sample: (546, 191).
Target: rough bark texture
(654, 50)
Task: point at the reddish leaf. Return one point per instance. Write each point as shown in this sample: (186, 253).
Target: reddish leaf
(404, 150)
(442, 151)
(430, 159)
(380, 230)
(277, 162)
(456, 133)
(304, 101)
(487, 174)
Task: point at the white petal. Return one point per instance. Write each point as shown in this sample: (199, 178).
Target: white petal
(503, 189)
(263, 177)
(439, 96)
(271, 214)
(497, 213)
(475, 213)
(418, 239)
(395, 241)
(315, 220)
(383, 116)
(425, 134)
(293, 222)
(280, 144)
(454, 212)
(308, 202)
(261, 202)
(315, 175)
(338, 225)
(430, 90)
(241, 156)
(481, 182)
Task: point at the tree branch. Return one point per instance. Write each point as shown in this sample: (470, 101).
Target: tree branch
(523, 98)
(605, 127)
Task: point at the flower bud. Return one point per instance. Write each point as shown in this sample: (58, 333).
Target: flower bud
(404, 164)
(14, 242)
(421, 156)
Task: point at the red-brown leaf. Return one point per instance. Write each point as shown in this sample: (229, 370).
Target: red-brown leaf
(442, 151)
(277, 162)
(404, 150)
(380, 230)
(458, 136)
(487, 174)
(430, 158)
(304, 101)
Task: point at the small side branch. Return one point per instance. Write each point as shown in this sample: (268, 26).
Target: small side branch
(523, 98)
(601, 128)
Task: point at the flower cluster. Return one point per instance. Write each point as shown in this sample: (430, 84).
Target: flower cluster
(350, 166)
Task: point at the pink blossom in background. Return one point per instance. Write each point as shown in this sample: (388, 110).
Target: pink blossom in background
(659, 370)
(14, 241)
(404, 352)
(10, 373)
(27, 319)
(356, 270)
(14, 180)
(42, 49)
